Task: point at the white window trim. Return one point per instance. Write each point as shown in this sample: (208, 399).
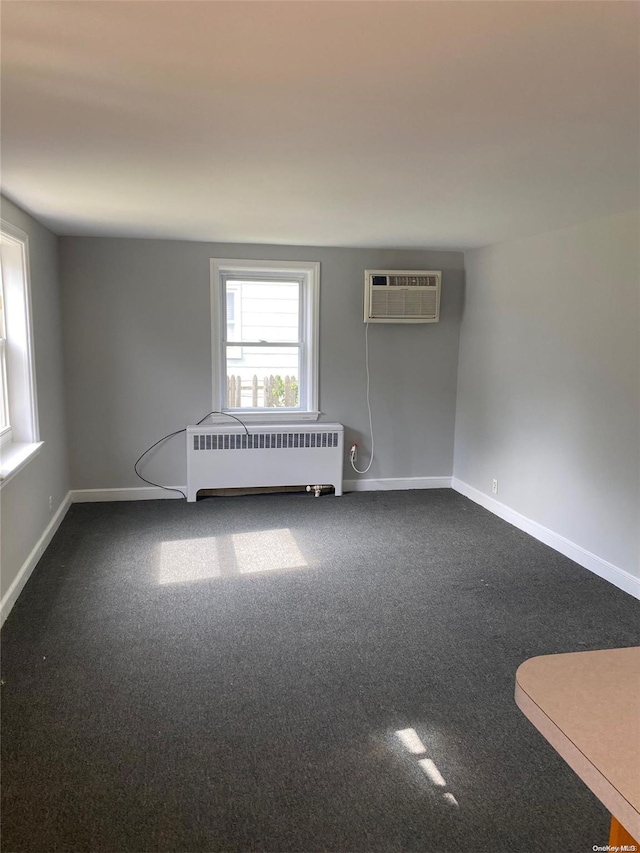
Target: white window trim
(310, 317)
(24, 441)
(6, 436)
(14, 457)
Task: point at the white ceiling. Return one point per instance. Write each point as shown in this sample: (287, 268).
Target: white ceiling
(397, 124)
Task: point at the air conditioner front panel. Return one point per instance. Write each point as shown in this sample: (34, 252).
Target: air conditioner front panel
(402, 296)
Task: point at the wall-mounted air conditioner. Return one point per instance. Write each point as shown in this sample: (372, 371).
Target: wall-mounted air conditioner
(402, 296)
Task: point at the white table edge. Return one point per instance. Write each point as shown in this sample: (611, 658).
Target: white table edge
(608, 795)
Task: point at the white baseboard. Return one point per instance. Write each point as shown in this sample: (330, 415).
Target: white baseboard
(604, 569)
(11, 595)
(148, 493)
(143, 493)
(397, 483)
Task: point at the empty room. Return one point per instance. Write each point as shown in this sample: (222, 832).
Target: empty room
(320, 426)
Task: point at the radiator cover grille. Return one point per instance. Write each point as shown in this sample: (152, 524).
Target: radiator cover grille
(264, 440)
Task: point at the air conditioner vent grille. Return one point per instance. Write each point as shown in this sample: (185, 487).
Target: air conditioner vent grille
(412, 281)
(403, 303)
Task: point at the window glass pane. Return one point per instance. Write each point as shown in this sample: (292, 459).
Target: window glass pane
(4, 401)
(3, 331)
(4, 391)
(263, 310)
(234, 327)
(265, 377)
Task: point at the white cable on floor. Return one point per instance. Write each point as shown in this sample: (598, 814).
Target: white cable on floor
(366, 351)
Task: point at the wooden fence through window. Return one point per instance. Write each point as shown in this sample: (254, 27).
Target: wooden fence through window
(270, 392)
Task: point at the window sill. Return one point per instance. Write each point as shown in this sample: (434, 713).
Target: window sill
(14, 456)
(263, 417)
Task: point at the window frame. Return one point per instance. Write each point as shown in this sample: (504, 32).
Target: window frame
(308, 274)
(21, 442)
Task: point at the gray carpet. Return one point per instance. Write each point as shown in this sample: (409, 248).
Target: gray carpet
(230, 675)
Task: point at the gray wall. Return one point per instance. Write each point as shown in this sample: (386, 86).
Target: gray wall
(548, 382)
(138, 356)
(24, 500)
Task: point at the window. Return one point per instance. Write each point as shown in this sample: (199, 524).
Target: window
(265, 338)
(19, 438)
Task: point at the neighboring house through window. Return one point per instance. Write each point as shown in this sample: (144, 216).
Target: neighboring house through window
(271, 309)
(234, 319)
(5, 420)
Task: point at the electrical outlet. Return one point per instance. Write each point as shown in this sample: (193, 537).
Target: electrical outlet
(494, 487)
(354, 452)
(50, 503)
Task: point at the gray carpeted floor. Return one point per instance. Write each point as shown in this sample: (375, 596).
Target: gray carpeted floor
(230, 676)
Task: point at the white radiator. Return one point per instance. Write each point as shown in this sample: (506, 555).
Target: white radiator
(225, 457)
